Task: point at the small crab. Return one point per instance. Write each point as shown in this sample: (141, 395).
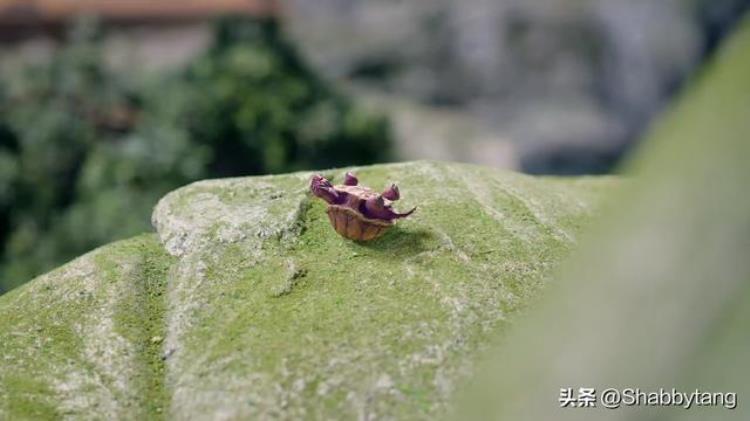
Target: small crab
(357, 212)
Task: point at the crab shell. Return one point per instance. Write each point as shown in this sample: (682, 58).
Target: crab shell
(353, 224)
(357, 212)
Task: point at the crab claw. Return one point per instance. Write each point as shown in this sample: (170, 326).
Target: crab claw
(323, 188)
(405, 214)
(377, 209)
(350, 179)
(392, 193)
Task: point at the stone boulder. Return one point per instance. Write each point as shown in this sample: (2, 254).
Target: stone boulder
(247, 304)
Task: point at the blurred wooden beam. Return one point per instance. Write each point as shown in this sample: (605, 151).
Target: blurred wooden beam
(24, 13)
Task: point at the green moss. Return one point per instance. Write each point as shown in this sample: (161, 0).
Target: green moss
(324, 326)
(140, 319)
(32, 404)
(78, 339)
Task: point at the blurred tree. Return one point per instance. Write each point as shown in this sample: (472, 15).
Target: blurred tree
(84, 157)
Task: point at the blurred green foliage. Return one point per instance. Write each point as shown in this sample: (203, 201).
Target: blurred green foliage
(84, 156)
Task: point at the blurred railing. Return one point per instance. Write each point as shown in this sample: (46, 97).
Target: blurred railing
(20, 18)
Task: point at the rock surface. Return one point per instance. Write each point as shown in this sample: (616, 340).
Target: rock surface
(247, 304)
(76, 341)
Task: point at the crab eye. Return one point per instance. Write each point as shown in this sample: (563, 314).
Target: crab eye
(392, 193)
(350, 179)
(320, 181)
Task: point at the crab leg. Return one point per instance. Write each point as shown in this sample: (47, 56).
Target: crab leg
(376, 208)
(324, 189)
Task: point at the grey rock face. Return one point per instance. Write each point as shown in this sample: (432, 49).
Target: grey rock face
(572, 83)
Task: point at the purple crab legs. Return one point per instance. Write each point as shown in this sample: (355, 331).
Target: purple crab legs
(358, 212)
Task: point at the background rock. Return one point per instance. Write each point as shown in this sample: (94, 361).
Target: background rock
(570, 84)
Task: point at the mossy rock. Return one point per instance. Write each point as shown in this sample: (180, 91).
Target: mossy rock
(247, 303)
(77, 341)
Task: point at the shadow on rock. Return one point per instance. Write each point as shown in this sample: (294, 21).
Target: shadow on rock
(401, 242)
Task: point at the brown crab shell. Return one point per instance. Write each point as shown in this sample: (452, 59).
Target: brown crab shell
(355, 226)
